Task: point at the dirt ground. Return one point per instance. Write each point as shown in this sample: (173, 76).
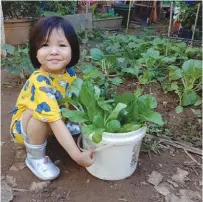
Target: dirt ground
(76, 184)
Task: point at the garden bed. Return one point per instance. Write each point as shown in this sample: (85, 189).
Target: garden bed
(108, 23)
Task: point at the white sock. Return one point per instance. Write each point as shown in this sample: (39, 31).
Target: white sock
(35, 151)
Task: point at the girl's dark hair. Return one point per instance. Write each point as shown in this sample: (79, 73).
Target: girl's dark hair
(41, 32)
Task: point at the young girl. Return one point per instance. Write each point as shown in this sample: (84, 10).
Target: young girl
(53, 50)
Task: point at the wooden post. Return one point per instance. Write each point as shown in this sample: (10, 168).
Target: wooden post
(86, 19)
(2, 27)
(154, 15)
(129, 11)
(193, 31)
(170, 21)
(2, 52)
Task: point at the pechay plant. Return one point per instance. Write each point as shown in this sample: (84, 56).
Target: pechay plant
(125, 113)
(20, 9)
(154, 65)
(104, 71)
(49, 8)
(17, 60)
(187, 81)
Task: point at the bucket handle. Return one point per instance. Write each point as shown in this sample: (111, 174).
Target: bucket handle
(97, 149)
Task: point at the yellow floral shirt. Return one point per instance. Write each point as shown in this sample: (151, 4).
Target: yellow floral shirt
(40, 94)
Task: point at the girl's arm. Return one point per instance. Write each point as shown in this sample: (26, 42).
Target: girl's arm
(67, 142)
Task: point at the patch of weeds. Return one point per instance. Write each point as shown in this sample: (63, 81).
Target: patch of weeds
(151, 145)
(192, 133)
(158, 130)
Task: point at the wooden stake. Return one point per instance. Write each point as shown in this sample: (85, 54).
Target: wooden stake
(86, 19)
(2, 27)
(170, 21)
(129, 11)
(193, 32)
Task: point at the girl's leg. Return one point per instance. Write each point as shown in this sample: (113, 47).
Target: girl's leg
(37, 131)
(35, 135)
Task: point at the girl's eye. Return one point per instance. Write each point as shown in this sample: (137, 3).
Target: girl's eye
(62, 45)
(44, 45)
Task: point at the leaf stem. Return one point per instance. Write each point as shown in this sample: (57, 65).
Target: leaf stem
(185, 86)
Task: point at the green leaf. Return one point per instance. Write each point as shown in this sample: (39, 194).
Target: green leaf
(96, 53)
(85, 40)
(115, 112)
(104, 105)
(155, 117)
(189, 98)
(97, 91)
(168, 60)
(192, 70)
(88, 99)
(129, 127)
(132, 45)
(112, 126)
(149, 100)
(67, 100)
(88, 69)
(174, 86)
(30, 68)
(92, 75)
(49, 13)
(175, 73)
(14, 69)
(87, 130)
(123, 116)
(193, 51)
(116, 81)
(146, 77)
(111, 60)
(151, 53)
(125, 98)
(98, 121)
(83, 52)
(76, 87)
(199, 101)
(97, 136)
(138, 92)
(74, 115)
(130, 70)
(179, 109)
(9, 48)
(122, 62)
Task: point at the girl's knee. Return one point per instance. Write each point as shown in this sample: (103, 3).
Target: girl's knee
(29, 123)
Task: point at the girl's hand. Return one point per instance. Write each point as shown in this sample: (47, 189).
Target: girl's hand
(87, 158)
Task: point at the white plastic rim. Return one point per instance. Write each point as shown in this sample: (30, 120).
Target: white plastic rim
(113, 139)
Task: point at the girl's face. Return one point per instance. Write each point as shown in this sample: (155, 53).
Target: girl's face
(55, 53)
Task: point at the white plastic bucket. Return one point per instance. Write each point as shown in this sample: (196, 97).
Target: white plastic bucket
(116, 156)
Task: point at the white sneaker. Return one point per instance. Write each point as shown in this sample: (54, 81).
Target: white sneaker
(43, 168)
(73, 128)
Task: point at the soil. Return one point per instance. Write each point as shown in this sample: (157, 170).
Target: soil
(75, 183)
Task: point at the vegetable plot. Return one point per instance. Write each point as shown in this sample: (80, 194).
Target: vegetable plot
(174, 65)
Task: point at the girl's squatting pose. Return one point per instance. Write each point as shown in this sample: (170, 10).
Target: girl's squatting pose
(53, 50)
